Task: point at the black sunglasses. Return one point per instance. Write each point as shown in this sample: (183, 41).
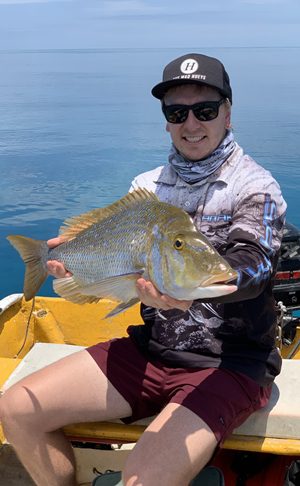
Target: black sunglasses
(203, 111)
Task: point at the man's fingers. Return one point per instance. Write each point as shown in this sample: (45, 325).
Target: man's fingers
(149, 295)
(57, 270)
(172, 303)
(53, 242)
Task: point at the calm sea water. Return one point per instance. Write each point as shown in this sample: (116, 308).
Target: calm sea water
(77, 125)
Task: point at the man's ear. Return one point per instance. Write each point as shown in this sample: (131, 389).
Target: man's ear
(228, 114)
(228, 120)
(167, 127)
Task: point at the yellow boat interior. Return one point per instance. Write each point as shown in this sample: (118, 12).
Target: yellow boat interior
(36, 333)
(36, 328)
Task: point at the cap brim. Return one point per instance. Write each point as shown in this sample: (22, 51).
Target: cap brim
(160, 89)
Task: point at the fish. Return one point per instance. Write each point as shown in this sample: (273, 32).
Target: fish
(108, 249)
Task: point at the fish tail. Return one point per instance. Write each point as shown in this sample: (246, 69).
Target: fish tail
(32, 252)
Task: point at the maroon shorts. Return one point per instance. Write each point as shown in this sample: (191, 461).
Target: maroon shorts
(223, 399)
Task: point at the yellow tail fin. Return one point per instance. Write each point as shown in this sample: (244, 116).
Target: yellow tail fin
(32, 253)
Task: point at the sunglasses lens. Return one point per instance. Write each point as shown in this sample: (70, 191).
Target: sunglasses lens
(206, 113)
(175, 114)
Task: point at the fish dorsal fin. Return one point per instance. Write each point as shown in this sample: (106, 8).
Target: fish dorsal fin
(75, 225)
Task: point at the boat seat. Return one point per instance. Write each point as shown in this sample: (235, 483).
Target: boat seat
(279, 420)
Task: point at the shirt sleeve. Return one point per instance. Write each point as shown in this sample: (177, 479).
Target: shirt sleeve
(254, 242)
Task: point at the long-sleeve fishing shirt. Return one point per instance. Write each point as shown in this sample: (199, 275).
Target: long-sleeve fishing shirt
(241, 210)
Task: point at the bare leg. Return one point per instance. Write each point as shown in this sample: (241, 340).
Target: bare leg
(34, 410)
(173, 449)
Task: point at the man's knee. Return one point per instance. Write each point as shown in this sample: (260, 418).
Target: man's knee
(134, 473)
(148, 473)
(18, 408)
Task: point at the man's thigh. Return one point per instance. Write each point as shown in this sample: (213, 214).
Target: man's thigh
(73, 389)
(222, 398)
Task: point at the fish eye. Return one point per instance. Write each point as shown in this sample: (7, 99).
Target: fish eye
(178, 244)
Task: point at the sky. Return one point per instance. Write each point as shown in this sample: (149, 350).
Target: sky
(84, 24)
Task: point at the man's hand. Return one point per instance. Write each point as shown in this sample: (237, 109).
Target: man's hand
(55, 268)
(150, 296)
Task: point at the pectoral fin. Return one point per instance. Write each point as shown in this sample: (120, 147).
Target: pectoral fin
(121, 288)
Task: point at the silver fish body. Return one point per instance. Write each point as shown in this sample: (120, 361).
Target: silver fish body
(107, 249)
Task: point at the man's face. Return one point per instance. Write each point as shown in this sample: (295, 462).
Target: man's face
(196, 139)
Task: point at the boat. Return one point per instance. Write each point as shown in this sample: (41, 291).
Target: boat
(258, 453)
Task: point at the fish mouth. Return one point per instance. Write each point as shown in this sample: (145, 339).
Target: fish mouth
(220, 279)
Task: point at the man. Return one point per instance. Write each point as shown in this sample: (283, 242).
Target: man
(202, 367)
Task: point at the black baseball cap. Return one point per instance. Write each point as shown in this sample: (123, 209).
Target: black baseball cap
(194, 69)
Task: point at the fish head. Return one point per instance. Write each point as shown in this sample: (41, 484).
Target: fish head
(186, 266)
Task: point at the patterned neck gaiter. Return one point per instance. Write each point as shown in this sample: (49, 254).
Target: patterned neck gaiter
(192, 171)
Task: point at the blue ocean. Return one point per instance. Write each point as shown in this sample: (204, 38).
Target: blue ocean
(77, 125)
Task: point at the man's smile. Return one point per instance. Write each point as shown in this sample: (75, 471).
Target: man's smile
(193, 139)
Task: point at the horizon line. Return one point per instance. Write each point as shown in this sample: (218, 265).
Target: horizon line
(51, 49)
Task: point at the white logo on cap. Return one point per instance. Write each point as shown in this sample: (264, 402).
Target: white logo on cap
(189, 66)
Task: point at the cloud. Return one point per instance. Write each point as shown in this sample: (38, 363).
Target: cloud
(17, 2)
(68, 24)
(13, 2)
(129, 7)
(123, 8)
(266, 2)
